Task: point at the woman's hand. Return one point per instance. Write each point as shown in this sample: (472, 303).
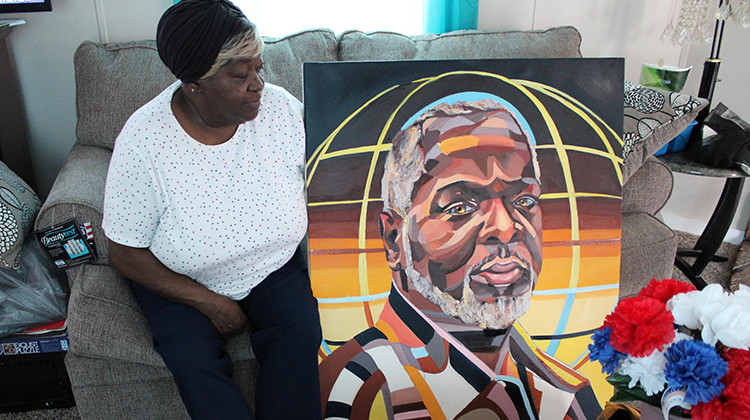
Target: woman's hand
(225, 314)
(140, 265)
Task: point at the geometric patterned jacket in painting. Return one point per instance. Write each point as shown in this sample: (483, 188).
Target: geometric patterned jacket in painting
(406, 367)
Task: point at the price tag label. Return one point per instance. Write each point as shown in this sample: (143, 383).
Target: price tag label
(673, 398)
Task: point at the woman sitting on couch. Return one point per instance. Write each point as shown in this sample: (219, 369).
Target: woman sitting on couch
(204, 212)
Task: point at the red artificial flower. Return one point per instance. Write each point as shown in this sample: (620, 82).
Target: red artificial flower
(706, 411)
(664, 290)
(732, 404)
(739, 365)
(736, 398)
(640, 325)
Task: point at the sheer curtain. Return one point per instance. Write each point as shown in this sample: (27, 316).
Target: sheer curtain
(277, 18)
(450, 15)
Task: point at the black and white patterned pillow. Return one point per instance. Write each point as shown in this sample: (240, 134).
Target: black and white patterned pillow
(653, 117)
(19, 206)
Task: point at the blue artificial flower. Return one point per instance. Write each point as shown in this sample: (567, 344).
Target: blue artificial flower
(695, 366)
(602, 351)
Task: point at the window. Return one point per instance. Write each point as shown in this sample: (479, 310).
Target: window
(277, 18)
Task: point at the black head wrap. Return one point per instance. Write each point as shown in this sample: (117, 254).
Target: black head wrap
(191, 33)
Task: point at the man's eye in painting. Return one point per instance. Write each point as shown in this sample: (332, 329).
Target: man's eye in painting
(459, 208)
(525, 202)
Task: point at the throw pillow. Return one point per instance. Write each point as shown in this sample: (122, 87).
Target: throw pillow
(112, 81)
(653, 117)
(19, 206)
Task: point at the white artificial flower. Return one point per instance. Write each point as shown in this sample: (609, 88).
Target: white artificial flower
(684, 307)
(648, 371)
(713, 300)
(696, 309)
(730, 326)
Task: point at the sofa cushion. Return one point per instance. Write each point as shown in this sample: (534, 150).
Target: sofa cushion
(111, 389)
(19, 206)
(114, 80)
(104, 320)
(648, 189)
(653, 117)
(468, 44)
(103, 306)
(283, 57)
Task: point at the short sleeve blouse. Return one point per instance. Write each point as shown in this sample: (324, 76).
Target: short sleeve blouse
(225, 215)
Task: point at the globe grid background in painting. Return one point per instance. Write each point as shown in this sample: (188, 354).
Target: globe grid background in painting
(581, 192)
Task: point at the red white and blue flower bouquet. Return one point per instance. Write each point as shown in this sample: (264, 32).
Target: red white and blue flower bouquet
(673, 346)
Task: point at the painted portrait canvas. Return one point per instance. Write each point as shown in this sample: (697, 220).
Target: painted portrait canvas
(464, 234)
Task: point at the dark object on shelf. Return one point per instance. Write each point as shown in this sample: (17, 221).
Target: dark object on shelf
(33, 373)
(34, 381)
(730, 147)
(25, 6)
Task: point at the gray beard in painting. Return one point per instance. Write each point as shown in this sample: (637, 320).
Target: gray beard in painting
(496, 315)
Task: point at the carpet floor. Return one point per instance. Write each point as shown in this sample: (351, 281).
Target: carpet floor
(728, 274)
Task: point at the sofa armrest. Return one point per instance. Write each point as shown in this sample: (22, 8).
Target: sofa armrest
(78, 192)
(648, 189)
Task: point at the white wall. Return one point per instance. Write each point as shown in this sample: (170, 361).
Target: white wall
(632, 29)
(612, 28)
(43, 53)
(43, 49)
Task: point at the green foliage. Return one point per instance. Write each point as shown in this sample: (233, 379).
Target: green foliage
(623, 393)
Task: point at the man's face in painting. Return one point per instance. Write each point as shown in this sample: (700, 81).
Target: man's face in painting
(472, 238)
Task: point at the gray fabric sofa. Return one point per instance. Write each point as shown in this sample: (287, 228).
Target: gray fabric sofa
(114, 370)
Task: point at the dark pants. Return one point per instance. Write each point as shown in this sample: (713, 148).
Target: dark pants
(285, 338)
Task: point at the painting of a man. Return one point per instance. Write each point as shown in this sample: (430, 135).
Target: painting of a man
(461, 226)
